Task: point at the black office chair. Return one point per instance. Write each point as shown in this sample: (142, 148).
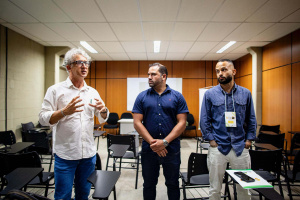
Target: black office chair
(197, 175)
(275, 128)
(190, 119)
(10, 162)
(126, 115)
(112, 122)
(93, 177)
(295, 148)
(276, 140)
(27, 126)
(131, 153)
(42, 145)
(267, 164)
(293, 176)
(7, 138)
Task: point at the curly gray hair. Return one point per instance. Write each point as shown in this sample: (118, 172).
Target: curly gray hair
(69, 56)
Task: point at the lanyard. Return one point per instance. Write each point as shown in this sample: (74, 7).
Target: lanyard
(232, 101)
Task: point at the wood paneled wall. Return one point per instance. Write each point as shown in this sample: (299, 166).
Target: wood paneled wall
(280, 82)
(243, 67)
(110, 80)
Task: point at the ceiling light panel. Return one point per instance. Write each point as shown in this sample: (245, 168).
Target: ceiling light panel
(44, 11)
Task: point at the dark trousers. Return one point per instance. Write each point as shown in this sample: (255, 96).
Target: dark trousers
(150, 169)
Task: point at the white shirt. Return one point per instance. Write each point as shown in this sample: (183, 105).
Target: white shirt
(73, 134)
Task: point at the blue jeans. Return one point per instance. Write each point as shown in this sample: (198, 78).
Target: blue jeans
(65, 170)
(150, 169)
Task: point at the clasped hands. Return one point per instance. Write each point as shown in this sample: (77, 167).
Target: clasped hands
(73, 106)
(157, 145)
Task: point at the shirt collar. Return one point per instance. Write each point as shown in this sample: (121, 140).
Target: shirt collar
(70, 84)
(235, 86)
(168, 89)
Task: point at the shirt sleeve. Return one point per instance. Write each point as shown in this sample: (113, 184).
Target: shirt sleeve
(49, 106)
(250, 120)
(138, 105)
(182, 106)
(205, 119)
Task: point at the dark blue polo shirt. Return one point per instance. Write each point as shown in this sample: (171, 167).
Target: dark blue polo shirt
(159, 112)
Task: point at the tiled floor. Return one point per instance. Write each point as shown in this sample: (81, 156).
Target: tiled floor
(125, 185)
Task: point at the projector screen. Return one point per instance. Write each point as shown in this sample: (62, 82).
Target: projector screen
(137, 85)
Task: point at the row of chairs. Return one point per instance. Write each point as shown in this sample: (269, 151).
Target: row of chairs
(267, 164)
(112, 121)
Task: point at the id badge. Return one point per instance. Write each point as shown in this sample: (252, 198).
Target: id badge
(230, 119)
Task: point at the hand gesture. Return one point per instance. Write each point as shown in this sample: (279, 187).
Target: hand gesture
(99, 105)
(72, 107)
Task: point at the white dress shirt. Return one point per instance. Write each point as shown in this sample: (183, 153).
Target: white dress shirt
(73, 134)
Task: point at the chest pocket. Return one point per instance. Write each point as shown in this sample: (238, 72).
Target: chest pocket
(241, 105)
(218, 107)
(88, 110)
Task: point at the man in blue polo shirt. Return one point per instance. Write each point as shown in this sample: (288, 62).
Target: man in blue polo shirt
(228, 122)
(160, 117)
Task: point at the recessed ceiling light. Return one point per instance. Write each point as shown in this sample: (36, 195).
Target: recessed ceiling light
(156, 46)
(229, 44)
(88, 47)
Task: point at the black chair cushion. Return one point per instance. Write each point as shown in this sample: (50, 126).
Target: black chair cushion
(108, 126)
(190, 128)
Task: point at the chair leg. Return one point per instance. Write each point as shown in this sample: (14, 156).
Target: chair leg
(120, 164)
(50, 165)
(107, 162)
(183, 190)
(137, 171)
(289, 189)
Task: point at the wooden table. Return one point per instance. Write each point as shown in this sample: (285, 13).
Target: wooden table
(104, 182)
(119, 151)
(20, 146)
(265, 146)
(19, 178)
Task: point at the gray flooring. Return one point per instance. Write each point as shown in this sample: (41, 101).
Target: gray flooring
(125, 185)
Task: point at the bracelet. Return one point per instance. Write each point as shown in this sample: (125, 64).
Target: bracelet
(62, 112)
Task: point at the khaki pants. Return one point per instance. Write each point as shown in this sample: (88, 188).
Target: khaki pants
(217, 162)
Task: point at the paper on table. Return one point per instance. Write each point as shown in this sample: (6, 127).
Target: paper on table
(258, 183)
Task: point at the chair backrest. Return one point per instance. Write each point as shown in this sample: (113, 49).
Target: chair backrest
(122, 139)
(197, 165)
(266, 160)
(275, 128)
(295, 142)
(126, 116)
(275, 140)
(27, 126)
(98, 165)
(113, 118)
(40, 139)
(10, 162)
(7, 137)
(190, 119)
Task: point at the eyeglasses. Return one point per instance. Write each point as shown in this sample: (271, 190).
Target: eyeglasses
(80, 63)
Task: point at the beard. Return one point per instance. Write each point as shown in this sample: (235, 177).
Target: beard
(226, 80)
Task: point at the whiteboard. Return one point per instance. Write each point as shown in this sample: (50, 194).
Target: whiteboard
(137, 85)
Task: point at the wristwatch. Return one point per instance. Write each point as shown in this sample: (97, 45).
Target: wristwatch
(166, 143)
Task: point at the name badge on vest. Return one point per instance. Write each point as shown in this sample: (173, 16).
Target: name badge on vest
(230, 119)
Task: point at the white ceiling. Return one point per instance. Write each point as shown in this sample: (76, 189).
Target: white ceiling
(126, 29)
